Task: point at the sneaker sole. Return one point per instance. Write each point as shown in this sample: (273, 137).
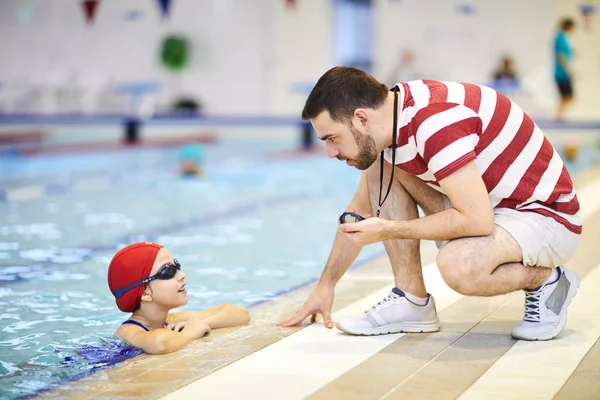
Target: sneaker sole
(394, 328)
(575, 282)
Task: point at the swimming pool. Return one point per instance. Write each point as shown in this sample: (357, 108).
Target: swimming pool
(252, 227)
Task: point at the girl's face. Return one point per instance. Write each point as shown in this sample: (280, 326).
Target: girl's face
(169, 293)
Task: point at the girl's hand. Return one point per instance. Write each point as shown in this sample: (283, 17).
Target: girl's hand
(178, 327)
(196, 328)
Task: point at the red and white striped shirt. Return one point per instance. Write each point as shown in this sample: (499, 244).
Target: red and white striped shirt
(445, 125)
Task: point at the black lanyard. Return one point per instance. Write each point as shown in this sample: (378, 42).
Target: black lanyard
(394, 144)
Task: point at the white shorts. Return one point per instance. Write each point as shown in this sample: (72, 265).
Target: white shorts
(544, 242)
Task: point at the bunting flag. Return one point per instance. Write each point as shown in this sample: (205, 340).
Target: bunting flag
(165, 7)
(587, 10)
(89, 9)
(467, 9)
(289, 4)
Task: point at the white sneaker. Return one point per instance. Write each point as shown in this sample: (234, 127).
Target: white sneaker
(546, 308)
(393, 314)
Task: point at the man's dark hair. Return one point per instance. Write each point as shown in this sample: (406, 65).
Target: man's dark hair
(340, 91)
(566, 24)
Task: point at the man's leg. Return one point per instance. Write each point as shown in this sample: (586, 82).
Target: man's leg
(488, 265)
(407, 191)
(408, 308)
(521, 253)
(476, 266)
(565, 89)
(563, 104)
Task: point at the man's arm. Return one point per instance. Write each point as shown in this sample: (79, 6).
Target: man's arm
(562, 60)
(472, 213)
(343, 253)
(344, 250)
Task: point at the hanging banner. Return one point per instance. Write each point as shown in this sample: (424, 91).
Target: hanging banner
(89, 9)
(165, 7)
(25, 13)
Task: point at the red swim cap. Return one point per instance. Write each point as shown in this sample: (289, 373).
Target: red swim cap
(129, 265)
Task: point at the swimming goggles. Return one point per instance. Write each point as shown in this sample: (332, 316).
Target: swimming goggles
(165, 272)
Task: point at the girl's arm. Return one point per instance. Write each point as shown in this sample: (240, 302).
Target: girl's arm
(223, 316)
(163, 341)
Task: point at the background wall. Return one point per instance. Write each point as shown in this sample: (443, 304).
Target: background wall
(231, 47)
(302, 48)
(261, 57)
(453, 42)
(458, 40)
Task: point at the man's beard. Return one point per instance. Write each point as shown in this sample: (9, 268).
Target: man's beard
(367, 152)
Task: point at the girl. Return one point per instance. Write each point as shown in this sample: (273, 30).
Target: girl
(147, 281)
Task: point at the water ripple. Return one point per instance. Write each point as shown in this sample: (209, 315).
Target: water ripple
(23, 325)
(213, 239)
(56, 255)
(7, 369)
(108, 218)
(9, 316)
(22, 339)
(43, 229)
(9, 246)
(8, 292)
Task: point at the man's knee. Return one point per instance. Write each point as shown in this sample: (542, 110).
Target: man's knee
(405, 185)
(457, 265)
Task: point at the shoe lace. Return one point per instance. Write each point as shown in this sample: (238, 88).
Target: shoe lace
(388, 299)
(532, 306)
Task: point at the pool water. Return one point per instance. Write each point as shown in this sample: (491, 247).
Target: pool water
(252, 227)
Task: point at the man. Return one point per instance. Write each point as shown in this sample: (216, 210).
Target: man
(563, 55)
(495, 194)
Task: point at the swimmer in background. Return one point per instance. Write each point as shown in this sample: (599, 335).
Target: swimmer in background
(147, 281)
(192, 158)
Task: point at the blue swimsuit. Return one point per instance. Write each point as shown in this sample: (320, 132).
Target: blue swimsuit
(130, 321)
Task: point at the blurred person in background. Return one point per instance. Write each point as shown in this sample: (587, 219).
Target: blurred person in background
(506, 70)
(496, 195)
(405, 69)
(505, 77)
(192, 158)
(563, 57)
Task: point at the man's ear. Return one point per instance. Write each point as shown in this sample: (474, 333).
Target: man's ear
(362, 116)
